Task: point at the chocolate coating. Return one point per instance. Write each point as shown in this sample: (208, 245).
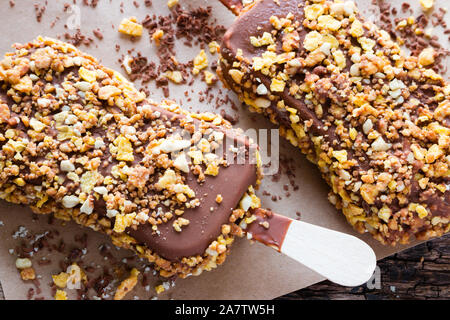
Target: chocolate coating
(205, 224)
(275, 233)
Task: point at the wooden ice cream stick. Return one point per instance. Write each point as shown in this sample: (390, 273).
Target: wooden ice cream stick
(339, 257)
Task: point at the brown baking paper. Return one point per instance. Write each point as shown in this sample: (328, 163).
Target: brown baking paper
(252, 271)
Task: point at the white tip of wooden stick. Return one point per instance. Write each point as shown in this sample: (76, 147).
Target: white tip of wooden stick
(339, 257)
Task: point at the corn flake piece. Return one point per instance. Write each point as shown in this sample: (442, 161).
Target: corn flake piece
(328, 22)
(160, 289)
(157, 36)
(27, 274)
(366, 43)
(131, 27)
(210, 78)
(353, 133)
(421, 211)
(60, 280)
(265, 40)
(60, 295)
(89, 180)
(25, 85)
(123, 221)
(197, 156)
(313, 11)
(236, 75)
(19, 181)
(41, 202)
(172, 3)
(213, 47)
(87, 75)
(174, 76)
(106, 92)
(127, 285)
(212, 169)
(385, 213)
(341, 155)
(356, 30)
(312, 40)
(168, 179)
(200, 62)
(340, 59)
(277, 85)
(124, 149)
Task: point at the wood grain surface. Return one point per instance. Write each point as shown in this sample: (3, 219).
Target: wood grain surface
(422, 272)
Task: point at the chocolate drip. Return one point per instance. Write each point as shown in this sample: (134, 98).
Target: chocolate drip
(269, 228)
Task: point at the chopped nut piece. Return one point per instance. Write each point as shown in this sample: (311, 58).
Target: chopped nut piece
(426, 57)
(426, 4)
(262, 103)
(179, 223)
(181, 163)
(67, 166)
(24, 263)
(70, 201)
(380, 145)
(236, 75)
(37, 125)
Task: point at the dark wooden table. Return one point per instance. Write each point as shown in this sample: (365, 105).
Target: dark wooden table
(422, 272)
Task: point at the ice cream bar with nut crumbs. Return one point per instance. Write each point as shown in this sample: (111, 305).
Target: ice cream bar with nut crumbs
(77, 140)
(373, 119)
(80, 142)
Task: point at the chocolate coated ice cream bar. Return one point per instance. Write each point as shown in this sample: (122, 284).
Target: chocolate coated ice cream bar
(374, 120)
(77, 140)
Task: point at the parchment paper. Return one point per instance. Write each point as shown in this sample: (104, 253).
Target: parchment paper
(252, 271)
